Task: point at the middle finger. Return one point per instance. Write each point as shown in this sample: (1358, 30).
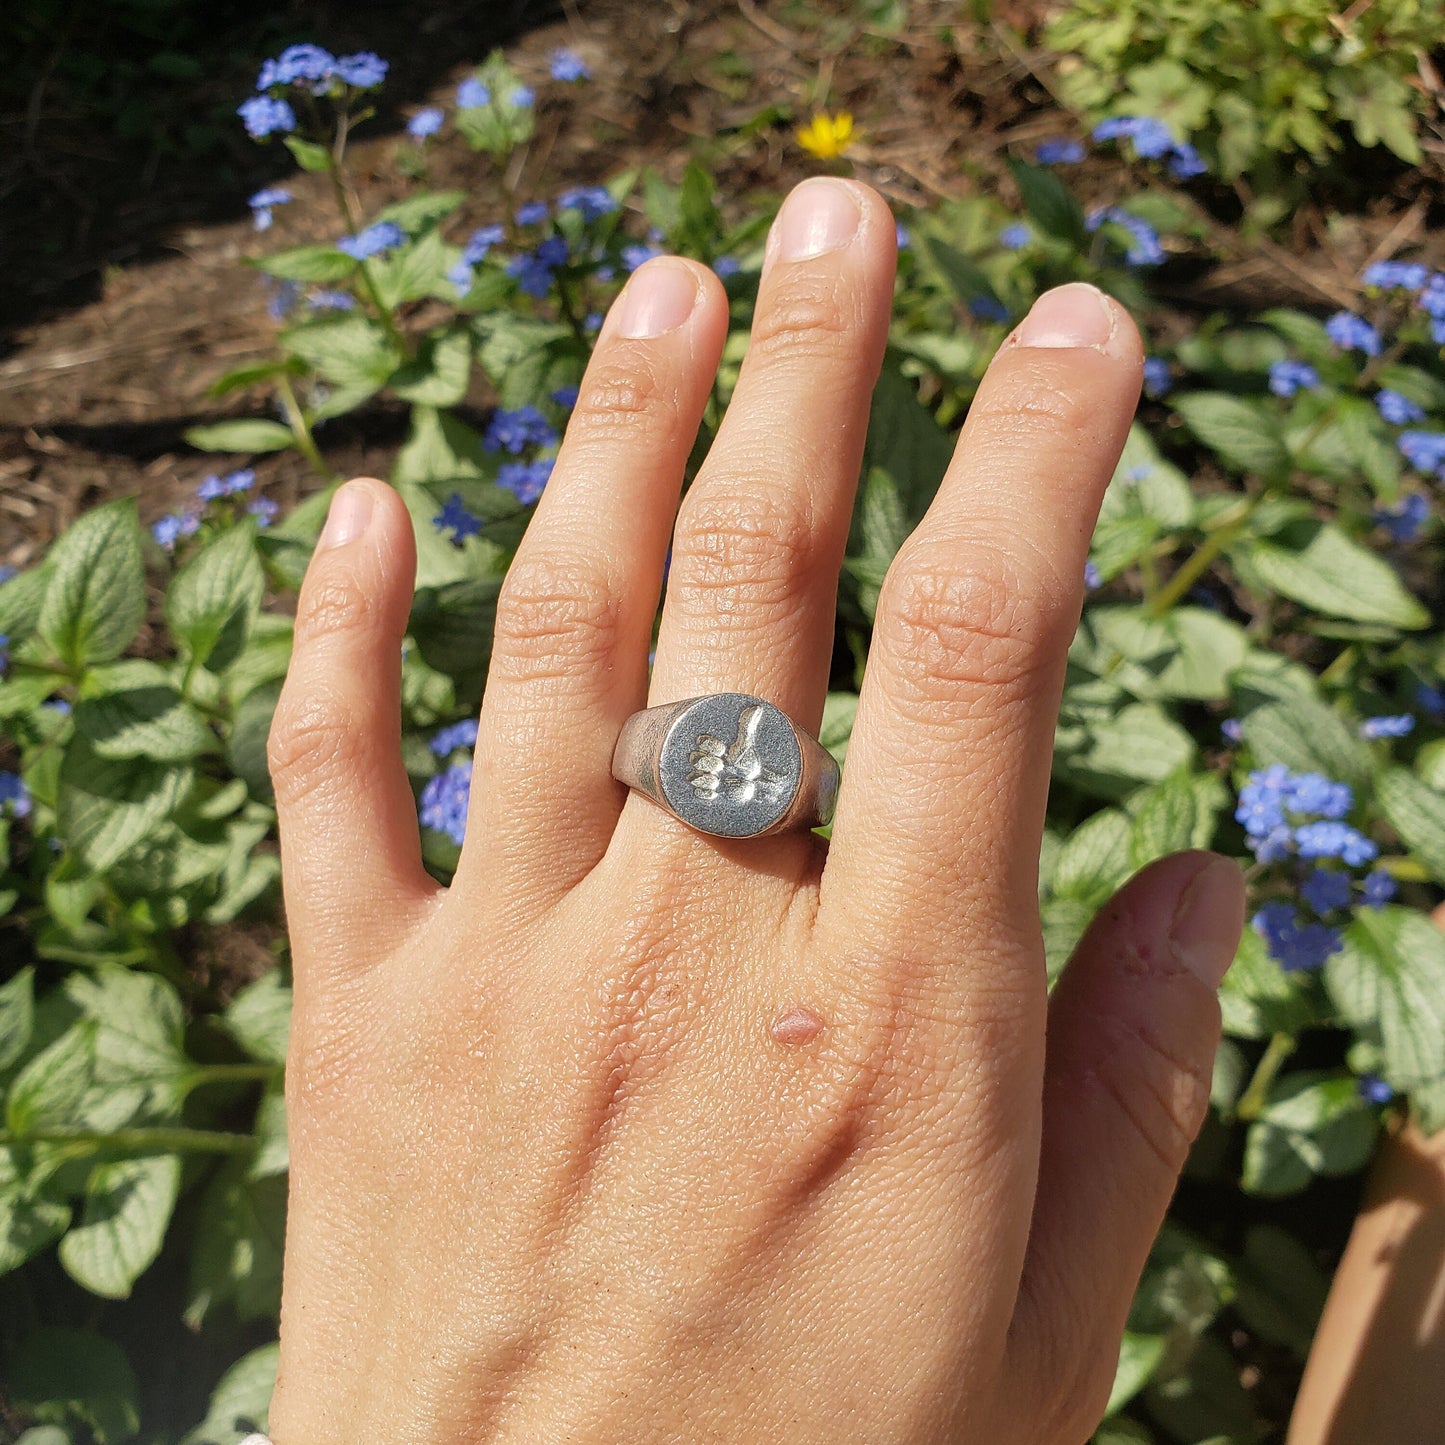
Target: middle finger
(760, 537)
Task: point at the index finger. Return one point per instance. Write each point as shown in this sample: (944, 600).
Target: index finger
(941, 810)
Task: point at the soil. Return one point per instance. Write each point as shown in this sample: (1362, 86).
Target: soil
(127, 305)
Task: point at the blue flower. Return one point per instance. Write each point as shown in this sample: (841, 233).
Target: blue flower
(1353, 333)
(1293, 945)
(515, 431)
(1404, 520)
(1335, 840)
(1315, 793)
(1143, 248)
(264, 510)
(297, 63)
(565, 397)
(480, 242)
(532, 213)
(1059, 153)
(328, 300)
(901, 237)
(211, 489)
(1431, 299)
(1093, 578)
(637, 254)
(1288, 377)
(1396, 409)
(444, 801)
(1373, 1089)
(264, 116)
(525, 480)
(425, 122)
(1186, 162)
(282, 298)
(263, 202)
(568, 66)
(58, 705)
(8, 573)
(1377, 888)
(1326, 889)
(472, 94)
(1233, 730)
(1396, 275)
(1015, 237)
(373, 241)
(1424, 450)
(1157, 380)
(592, 321)
(726, 266)
(988, 308)
(533, 271)
(14, 796)
(365, 69)
(1387, 727)
(593, 202)
(455, 518)
(1151, 137)
(167, 531)
(1430, 700)
(522, 97)
(459, 735)
(4, 651)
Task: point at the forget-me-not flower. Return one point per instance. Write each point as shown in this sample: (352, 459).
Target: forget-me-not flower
(425, 122)
(568, 66)
(264, 115)
(377, 238)
(1287, 377)
(1353, 333)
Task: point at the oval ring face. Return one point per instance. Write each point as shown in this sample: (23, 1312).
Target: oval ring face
(731, 765)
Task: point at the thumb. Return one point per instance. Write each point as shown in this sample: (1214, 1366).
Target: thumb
(1133, 1028)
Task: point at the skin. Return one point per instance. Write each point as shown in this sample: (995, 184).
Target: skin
(634, 1134)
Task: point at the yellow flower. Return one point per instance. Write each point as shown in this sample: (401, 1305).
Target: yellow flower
(826, 136)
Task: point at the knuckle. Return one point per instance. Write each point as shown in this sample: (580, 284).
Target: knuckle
(759, 550)
(312, 741)
(1038, 398)
(554, 616)
(994, 622)
(1162, 1093)
(807, 318)
(334, 605)
(623, 396)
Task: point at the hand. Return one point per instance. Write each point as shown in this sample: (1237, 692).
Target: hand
(634, 1134)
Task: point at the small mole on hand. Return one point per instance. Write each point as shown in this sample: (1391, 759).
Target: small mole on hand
(797, 1026)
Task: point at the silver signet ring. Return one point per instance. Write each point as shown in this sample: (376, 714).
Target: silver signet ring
(728, 764)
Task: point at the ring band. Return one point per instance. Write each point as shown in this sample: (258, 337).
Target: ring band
(728, 764)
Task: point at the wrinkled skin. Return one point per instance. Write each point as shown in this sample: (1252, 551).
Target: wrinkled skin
(634, 1134)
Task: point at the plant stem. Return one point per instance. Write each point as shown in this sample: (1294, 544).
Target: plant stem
(233, 1074)
(1199, 563)
(301, 428)
(1252, 1101)
(149, 1141)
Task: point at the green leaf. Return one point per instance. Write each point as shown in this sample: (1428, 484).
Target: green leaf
(1281, 1289)
(964, 281)
(1172, 816)
(239, 1240)
(1390, 977)
(309, 155)
(1139, 744)
(1258, 999)
(21, 600)
(259, 1018)
(1050, 204)
(250, 730)
(309, 263)
(241, 1402)
(1094, 858)
(272, 1154)
(216, 596)
(1368, 444)
(17, 1015)
(1190, 652)
(29, 1222)
(1244, 435)
(63, 1374)
(246, 435)
(1139, 1357)
(350, 350)
(132, 709)
(1417, 814)
(1145, 484)
(439, 373)
(1317, 564)
(107, 806)
(502, 124)
(1313, 1124)
(1306, 736)
(96, 598)
(48, 1090)
(422, 209)
(839, 711)
(128, 1205)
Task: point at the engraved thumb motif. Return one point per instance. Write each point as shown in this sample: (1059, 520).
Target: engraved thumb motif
(736, 767)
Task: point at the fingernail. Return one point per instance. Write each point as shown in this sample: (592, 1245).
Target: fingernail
(1074, 315)
(658, 299)
(1207, 921)
(347, 520)
(819, 216)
